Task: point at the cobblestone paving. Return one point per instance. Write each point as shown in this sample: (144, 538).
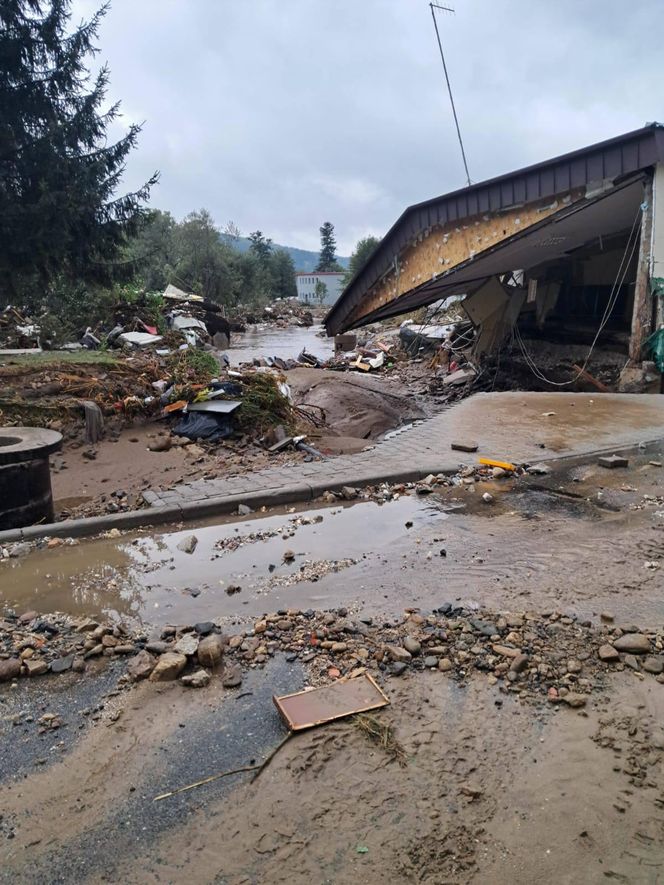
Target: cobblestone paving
(515, 426)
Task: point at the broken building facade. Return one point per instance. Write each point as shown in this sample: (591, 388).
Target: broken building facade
(569, 251)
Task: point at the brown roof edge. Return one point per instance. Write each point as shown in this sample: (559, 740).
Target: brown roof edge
(611, 158)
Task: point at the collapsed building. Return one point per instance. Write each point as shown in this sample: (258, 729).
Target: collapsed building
(566, 254)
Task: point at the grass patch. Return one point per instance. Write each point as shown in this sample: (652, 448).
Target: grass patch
(49, 358)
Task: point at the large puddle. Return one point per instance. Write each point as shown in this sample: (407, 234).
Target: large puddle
(535, 542)
(147, 578)
(288, 343)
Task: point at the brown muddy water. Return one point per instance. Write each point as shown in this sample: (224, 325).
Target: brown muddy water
(579, 540)
(147, 578)
(288, 343)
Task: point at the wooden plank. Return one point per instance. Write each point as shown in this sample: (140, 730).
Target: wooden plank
(306, 709)
(590, 379)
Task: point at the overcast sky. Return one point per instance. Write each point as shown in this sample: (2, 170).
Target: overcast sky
(282, 114)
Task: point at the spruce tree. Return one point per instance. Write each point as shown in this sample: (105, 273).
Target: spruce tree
(59, 212)
(328, 249)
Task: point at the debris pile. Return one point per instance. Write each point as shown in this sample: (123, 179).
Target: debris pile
(186, 387)
(18, 331)
(544, 656)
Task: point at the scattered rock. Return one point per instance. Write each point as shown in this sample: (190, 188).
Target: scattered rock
(9, 669)
(612, 461)
(204, 627)
(632, 662)
(608, 654)
(635, 643)
(396, 653)
(211, 651)
(430, 661)
(398, 668)
(199, 679)
(519, 663)
(242, 510)
(232, 677)
(464, 446)
(168, 667)
(141, 666)
(34, 668)
(572, 699)
(471, 790)
(188, 544)
(62, 664)
(160, 444)
(653, 665)
(412, 646)
(187, 644)
(538, 469)
(445, 664)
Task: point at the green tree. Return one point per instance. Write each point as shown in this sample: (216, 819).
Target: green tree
(153, 250)
(261, 246)
(59, 173)
(360, 256)
(283, 275)
(320, 292)
(203, 263)
(328, 249)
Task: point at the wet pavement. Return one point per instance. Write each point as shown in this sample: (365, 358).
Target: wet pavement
(517, 427)
(419, 550)
(78, 803)
(267, 341)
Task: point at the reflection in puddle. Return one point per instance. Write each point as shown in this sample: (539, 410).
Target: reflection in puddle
(340, 555)
(150, 580)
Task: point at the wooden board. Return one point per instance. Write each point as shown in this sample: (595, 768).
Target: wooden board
(305, 709)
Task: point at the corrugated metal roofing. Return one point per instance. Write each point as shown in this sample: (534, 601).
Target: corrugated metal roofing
(611, 159)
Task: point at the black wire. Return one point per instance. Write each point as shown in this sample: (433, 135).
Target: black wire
(449, 89)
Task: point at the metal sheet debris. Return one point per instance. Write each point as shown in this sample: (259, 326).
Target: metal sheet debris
(223, 406)
(306, 709)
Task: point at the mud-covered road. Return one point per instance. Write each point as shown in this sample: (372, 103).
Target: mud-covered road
(498, 786)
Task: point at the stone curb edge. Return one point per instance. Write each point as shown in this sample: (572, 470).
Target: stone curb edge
(223, 505)
(206, 507)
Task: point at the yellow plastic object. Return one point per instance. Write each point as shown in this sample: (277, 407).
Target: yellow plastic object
(489, 462)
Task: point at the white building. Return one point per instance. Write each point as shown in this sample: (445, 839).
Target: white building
(309, 292)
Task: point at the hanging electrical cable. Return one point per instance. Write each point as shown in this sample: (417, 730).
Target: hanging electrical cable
(630, 246)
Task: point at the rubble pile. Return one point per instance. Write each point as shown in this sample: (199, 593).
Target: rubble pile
(18, 331)
(188, 386)
(282, 313)
(539, 656)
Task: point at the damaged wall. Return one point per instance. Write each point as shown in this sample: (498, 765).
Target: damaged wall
(442, 248)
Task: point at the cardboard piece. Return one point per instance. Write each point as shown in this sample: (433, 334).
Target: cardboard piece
(306, 709)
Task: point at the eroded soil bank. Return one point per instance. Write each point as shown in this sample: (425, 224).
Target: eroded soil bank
(500, 784)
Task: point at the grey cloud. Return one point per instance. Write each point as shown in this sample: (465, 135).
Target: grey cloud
(281, 115)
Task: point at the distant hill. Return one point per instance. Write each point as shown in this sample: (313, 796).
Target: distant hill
(303, 259)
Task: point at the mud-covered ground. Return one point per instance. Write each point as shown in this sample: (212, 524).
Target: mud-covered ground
(497, 787)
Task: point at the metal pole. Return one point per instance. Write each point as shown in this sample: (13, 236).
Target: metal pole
(449, 88)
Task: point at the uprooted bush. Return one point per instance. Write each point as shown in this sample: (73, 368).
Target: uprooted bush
(264, 405)
(193, 366)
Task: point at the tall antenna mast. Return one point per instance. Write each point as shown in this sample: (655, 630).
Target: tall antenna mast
(433, 7)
